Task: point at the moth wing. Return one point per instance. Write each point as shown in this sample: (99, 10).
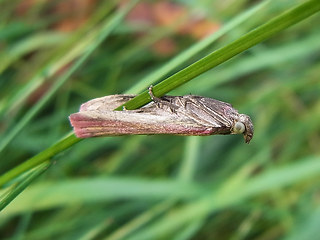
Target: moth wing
(206, 111)
(113, 123)
(188, 115)
(106, 103)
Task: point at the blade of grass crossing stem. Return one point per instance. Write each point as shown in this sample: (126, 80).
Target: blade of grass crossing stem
(17, 189)
(39, 158)
(265, 31)
(106, 30)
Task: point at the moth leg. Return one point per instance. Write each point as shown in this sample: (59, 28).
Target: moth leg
(153, 97)
(160, 102)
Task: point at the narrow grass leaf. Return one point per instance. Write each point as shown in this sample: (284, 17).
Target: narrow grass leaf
(10, 194)
(56, 194)
(105, 31)
(194, 49)
(223, 54)
(273, 179)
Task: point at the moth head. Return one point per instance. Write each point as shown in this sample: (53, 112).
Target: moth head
(243, 125)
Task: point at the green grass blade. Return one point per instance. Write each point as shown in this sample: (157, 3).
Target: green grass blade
(67, 52)
(141, 220)
(105, 31)
(28, 45)
(90, 190)
(308, 228)
(13, 192)
(231, 193)
(191, 157)
(39, 158)
(194, 49)
(223, 54)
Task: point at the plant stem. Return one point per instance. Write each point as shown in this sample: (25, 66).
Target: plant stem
(262, 33)
(43, 156)
(17, 189)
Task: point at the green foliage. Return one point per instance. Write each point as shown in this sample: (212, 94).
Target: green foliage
(160, 187)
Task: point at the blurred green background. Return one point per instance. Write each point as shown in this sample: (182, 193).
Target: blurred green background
(56, 55)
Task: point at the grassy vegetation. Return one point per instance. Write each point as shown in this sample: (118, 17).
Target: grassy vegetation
(55, 56)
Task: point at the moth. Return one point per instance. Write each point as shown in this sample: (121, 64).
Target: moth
(187, 115)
